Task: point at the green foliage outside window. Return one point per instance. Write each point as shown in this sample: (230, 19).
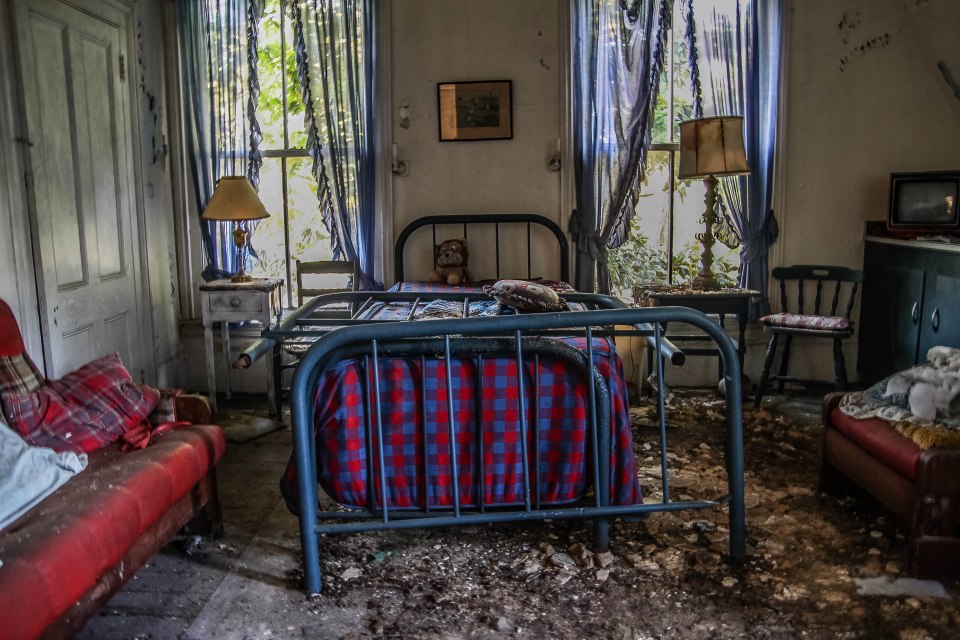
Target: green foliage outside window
(286, 174)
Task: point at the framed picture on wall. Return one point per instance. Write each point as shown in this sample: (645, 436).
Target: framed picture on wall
(476, 110)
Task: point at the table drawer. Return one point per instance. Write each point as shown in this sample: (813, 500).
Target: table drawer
(234, 301)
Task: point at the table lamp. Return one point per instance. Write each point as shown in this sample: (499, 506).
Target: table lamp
(711, 147)
(234, 200)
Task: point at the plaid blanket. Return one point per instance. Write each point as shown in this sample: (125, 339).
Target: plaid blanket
(416, 438)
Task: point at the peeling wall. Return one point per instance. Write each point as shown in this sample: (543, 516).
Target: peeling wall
(161, 254)
(864, 97)
(17, 284)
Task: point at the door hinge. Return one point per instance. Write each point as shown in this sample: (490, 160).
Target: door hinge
(123, 68)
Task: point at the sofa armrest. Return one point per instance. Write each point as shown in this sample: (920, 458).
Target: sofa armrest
(830, 402)
(194, 408)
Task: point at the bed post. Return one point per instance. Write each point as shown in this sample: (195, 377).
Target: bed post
(303, 447)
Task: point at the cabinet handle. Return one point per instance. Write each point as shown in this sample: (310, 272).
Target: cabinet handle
(935, 319)
(915, 313)
(235, 302)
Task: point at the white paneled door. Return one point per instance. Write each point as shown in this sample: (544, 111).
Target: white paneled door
(74, 75)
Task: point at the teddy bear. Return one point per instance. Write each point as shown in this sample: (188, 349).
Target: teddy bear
(450, 257)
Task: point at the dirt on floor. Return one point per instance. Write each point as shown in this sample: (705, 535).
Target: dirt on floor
(665, 577)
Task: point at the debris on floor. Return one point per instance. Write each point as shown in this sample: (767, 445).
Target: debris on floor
(816, 563)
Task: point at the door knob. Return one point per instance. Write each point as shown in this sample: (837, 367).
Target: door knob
(935, 319)
(915, 313)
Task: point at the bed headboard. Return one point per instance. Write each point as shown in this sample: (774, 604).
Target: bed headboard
(536, 228)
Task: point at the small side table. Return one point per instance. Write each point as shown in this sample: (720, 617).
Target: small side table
(225, 301)
(735, 302)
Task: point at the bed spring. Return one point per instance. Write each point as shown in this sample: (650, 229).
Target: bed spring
(480, 338)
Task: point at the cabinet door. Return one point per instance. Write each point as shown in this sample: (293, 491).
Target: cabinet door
(890, 315)
(940, 323)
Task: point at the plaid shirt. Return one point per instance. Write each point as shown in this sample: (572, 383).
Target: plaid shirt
(85, 410)
(416, 437)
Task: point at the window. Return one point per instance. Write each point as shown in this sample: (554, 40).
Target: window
(662, 247)
(295, 229)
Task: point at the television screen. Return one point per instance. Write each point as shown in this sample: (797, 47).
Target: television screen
(925, 200)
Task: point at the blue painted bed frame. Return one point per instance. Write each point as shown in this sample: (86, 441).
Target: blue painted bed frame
(513, 335)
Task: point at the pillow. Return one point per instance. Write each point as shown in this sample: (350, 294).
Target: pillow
(84, 411)
(526, 296)
(556, 285)
(29, 474)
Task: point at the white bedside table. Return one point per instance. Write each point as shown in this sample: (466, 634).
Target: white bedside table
(225, 301)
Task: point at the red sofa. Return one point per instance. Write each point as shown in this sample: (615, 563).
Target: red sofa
(921, 486)
(65, 558)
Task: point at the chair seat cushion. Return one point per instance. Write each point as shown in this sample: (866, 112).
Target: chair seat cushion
(878, 438)
(798, 321)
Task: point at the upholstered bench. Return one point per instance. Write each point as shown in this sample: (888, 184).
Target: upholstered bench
(921, 486)
(63, 559)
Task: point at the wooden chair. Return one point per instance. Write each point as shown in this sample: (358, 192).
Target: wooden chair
(835, 323)
(297, 347)
(326, 267)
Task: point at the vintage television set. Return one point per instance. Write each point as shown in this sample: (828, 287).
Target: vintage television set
(925, 202)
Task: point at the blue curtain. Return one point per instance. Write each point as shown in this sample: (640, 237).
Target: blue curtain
(218, 46)
(734, 48)
(334, 41)
(618, 52)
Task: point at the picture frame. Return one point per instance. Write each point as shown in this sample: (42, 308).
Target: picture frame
(475, 110)
(925, 201)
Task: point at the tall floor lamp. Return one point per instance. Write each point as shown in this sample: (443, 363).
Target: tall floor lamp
(711, 147)
(234, 200)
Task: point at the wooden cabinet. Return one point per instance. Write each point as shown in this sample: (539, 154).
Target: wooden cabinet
(911, 302)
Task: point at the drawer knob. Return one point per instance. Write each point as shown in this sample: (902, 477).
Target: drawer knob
(235, 301)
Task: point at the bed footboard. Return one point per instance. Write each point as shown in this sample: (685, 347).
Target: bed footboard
(453, 435)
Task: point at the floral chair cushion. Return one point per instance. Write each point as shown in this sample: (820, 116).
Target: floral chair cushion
(797, 321)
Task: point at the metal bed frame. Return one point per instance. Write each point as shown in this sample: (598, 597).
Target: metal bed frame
(521, 337)
(495, 219)
(311, 321)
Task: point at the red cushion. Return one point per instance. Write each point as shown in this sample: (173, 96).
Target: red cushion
(56, 551)
(882, 441)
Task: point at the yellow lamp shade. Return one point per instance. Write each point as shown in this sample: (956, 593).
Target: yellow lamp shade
(234, 199)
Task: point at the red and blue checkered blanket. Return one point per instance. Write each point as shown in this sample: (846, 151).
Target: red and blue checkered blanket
(416, 436)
